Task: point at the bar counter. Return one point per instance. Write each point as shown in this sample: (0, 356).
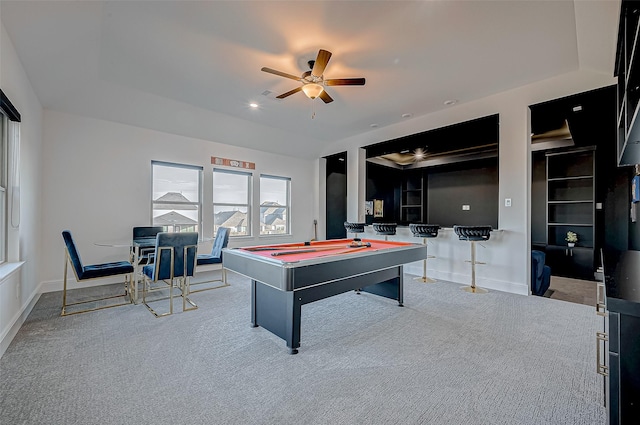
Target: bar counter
(451, 262)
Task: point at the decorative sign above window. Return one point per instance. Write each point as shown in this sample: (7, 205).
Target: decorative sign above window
(233, 163)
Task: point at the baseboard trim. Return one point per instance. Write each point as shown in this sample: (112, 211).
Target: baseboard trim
(464, 279)
(17, 320)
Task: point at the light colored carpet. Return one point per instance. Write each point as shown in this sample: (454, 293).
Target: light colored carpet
(447, 357)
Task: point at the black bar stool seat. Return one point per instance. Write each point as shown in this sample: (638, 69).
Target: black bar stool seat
(385, 229)
(355, 228)
(425, 231)
(473, 234)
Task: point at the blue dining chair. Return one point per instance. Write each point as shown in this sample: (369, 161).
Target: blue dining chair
(208, 262)
(90, 272)
(171, 266)
(145, 232)
(142, 255)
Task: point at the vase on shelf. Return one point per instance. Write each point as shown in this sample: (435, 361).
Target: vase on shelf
(571, 244)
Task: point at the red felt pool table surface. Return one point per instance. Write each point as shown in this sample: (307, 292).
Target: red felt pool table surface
(294, 252)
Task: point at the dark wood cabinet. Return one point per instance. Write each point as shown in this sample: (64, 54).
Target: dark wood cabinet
(574, 262)
(627, 69)
(623, 334)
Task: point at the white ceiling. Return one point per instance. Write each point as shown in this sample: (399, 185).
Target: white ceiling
(192, 68)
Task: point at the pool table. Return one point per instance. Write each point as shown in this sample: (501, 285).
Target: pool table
(284, 277)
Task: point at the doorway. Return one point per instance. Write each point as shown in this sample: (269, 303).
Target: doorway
(579, 196)
(336, 195)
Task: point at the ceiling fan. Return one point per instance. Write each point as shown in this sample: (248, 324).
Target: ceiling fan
(313, 81)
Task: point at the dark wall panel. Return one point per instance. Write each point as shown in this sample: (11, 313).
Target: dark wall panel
(449, 190)
(383, 183)
(539, 199)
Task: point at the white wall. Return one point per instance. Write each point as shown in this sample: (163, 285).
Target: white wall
(508, 261)
(97, 183)
(20, 290)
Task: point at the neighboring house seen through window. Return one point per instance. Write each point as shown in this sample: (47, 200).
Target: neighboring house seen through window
(176, 196)
(274, 205)
(232, 201)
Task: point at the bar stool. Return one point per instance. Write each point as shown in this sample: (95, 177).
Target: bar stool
(473, 234)
(425, 231)
(385, 229)
(355, 228)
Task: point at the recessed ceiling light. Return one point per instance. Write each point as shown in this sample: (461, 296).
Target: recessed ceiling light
(253, 105)
(374, 125)
(407, 115)
(450, 102)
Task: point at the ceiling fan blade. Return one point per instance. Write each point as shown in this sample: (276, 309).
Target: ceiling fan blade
(281, 74)
(321, 63)
(289, 93)
(344, 82)
(325, 97)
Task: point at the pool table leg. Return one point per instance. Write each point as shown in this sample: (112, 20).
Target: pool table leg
(293, 311)
(254, 320)
(401, 287)
(277, 311)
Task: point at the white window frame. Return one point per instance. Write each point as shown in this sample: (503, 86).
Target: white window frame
(4, 167)
(287, 206)
(248, 205)
(198, 204)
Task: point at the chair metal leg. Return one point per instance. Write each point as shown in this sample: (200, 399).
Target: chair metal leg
(185, 292)
(473, 288)
(147, 288)
(424, 278)
(223, 279)
(64, 311)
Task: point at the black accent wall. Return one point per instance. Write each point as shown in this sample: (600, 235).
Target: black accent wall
(446, 188)
(474, 184)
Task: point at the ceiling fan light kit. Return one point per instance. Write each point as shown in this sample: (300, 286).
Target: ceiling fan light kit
(312, 90)
(313, 81)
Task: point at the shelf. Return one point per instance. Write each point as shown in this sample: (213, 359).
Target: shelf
(578, 247)
(571, 208)
(583, 201)
(628, 73)
(561, 179)
(411, 201)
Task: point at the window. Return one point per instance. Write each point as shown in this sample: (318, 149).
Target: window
(4, 136)
(9, 179)
(232, 201)
(176, 196)
(274, 205)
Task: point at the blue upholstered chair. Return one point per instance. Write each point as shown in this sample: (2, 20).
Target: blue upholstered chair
(142, 256)
(208, 262)
(540, 273)
(171, 266)
(93, 271)
(145, 232)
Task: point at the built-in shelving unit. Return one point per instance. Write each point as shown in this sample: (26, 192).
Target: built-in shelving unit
(412, 201)
(571, 207)
(627, 69)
